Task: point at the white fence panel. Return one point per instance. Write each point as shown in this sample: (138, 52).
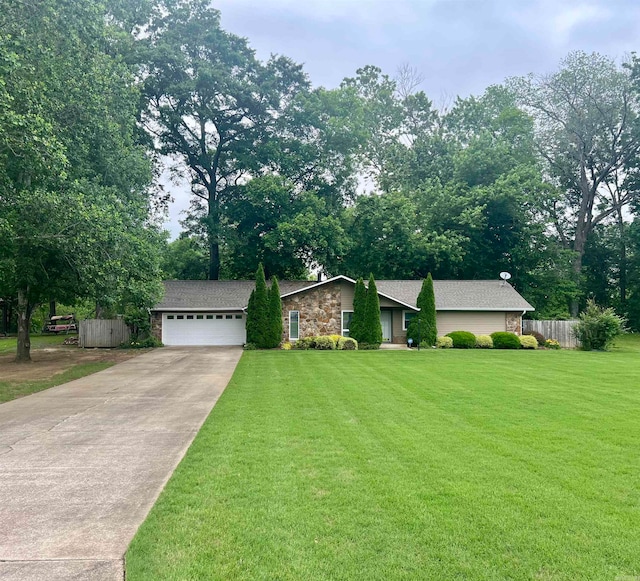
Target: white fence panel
(103, 333)
(561, 331)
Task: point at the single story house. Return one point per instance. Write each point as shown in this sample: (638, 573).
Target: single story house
(213, 312)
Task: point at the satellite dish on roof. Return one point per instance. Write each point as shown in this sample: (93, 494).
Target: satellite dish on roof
(505, 276)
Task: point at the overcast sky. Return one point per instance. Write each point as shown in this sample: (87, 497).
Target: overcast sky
(459, 46)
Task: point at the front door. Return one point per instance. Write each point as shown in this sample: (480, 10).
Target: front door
(385, 321)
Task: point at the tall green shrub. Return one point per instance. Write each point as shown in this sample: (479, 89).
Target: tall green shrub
(275, 314)
(372, 328)
(356, 327)
(422, 328)
(598, 327)
(258, 331)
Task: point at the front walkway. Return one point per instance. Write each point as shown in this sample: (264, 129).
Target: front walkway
(81, 464)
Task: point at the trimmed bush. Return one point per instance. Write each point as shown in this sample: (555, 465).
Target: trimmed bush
(552, 344)
(444, 342)
(540, 338)
(324, 343)
(287, 346)
(356, 327)
(274, 317)
(371, 328)
(505, 340)
(142, 343)
(368, 346)
(598, 327)
(484, 342)
(528, 342)
(347, 344)
(462, 339)
(422, 327)
(336, 338)
(249, 347)
(305, 343)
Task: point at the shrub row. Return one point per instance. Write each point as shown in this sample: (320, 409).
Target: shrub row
(324, 343)
(497, 340)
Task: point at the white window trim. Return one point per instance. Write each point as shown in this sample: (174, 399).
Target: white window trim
(290, 337)
(404, 320)
(342, 329)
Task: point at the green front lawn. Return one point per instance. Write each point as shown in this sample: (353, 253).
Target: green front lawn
(406, 465)
(9, 344)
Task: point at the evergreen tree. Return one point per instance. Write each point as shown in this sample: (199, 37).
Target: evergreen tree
(258, 313)
(275, 314)
(372, 334)
(422, 328)
(359, 303)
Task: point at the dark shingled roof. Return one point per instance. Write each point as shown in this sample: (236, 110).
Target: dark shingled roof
(215, 294)
(481, 295)
(459, 295)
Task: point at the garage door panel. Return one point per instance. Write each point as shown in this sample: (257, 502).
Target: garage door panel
(203, 329)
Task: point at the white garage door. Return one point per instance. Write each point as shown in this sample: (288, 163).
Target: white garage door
(203, 329)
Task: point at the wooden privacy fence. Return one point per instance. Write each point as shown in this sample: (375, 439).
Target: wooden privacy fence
(102, 333)
(558, 330)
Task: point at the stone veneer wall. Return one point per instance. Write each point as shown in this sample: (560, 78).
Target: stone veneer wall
(156, 325)
(320, 311)
(513, 323)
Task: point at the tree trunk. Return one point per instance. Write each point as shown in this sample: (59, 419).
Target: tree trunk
(23, 354)
(52, 309)
(578, 248)
(623, 260)
(213, 232)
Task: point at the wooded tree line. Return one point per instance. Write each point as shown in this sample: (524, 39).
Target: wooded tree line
(537, 176)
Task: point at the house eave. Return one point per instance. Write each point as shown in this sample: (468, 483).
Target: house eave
(197, 309)
(488, 309)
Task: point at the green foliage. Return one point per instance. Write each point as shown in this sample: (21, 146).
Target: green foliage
(324, 343)
(286, 346)
(484, 342)
(444, 342)
(552, 344)
(275, 314)
(347, 344)
(540, 338)
(368, 346)
(423, 326)
(462, 339)
(528, 342)
(258, 327)
(78, 213)
(149, 342)
(250, 347)
(305, 343)
(505, 340)
(357, 326)
(371, 328)
(185, 259)
(598, 327)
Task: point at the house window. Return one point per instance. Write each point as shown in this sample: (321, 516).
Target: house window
(346, 322)
(180, 317)
(294, 325)
(209, 316)
(238, 316)
(189, 316)
(406, 318)
(199, 317)
(169, 316)
(228, 316)
(218, 316)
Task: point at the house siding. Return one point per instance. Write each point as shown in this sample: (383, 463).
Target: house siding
(476, 322)
(320, 311)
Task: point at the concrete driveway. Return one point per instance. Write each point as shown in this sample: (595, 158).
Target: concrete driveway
(81, 464)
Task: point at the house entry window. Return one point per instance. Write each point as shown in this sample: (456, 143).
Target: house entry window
(294, 325)
(406, 318)
(346, 322)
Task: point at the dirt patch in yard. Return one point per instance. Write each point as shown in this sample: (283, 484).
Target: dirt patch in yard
(48, 362)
